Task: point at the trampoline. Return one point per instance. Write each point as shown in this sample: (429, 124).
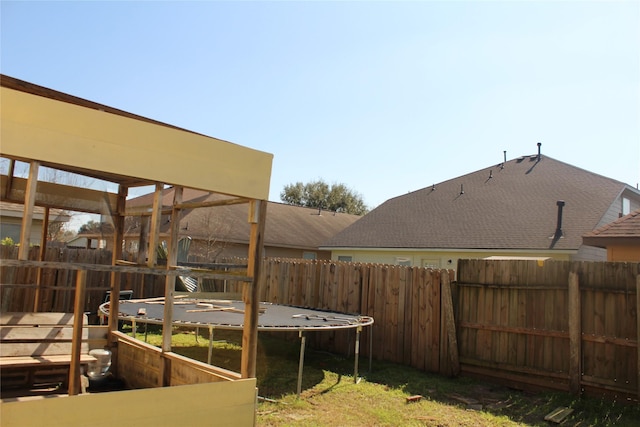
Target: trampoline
(229, 314)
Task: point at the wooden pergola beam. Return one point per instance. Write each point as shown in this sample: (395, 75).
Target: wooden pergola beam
(118, 233)
(251, 291)
(59, 196)
(154, 231)
(170, 286)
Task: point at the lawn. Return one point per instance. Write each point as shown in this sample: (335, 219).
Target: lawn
(383, 396)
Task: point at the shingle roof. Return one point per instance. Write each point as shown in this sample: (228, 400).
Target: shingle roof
(506, 206)
(286, 225)
(624, 229)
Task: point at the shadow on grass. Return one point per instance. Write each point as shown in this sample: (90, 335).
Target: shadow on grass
(277, 374)
(524, 407)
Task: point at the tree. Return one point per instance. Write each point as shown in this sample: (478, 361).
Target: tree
(318, 194)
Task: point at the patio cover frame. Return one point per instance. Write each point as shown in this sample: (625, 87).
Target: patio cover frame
(47, 128)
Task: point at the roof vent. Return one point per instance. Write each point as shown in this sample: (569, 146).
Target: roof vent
(461, 188)
(539, 152)
(558, 234)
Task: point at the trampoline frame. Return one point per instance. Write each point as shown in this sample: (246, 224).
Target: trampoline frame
(324, 321)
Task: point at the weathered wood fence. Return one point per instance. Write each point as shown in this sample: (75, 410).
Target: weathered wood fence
(57, 287)
(570, 326)
(562, 325)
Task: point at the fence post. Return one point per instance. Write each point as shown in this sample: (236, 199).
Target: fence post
(575, 333)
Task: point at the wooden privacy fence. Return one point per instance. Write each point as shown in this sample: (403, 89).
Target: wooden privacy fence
(57, 286)
(406, 302)
(570, 326)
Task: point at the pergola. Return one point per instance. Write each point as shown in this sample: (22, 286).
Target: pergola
(46, 128)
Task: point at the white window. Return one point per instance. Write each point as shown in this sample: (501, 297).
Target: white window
(403, 261)
(345, 258)
(626, 206)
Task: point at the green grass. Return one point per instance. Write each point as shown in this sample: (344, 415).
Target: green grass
(331, 397)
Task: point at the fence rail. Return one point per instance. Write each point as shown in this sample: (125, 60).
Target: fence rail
(570, 326)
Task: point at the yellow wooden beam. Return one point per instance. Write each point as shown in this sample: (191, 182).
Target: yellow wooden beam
(59, 196)
(59, 133)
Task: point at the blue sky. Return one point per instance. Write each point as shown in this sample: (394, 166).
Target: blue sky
(385, 97)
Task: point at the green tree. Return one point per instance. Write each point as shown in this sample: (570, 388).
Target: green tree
(319, 194)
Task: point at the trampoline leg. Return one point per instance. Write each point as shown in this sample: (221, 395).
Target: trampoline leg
(302, 342)
(210, 344)
(133, 327)
(357, 356)
(370, 345)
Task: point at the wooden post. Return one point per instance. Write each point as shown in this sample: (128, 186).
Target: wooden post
(449, 321)
(76, 344)
(154, 233)
(118, 233)
(250, 294)
(41, 257)
(575, 333)
(170, 286)
(143, 250)
(27, 216)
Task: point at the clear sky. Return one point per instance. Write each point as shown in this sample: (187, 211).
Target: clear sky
(385, 97)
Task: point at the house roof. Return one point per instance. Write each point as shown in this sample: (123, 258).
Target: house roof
(509, 206)
(625, 230)
(286, 225)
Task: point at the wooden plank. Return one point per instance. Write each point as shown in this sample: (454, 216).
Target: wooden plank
(575, 333)
(404, 315)
(31, 319)
(449, 321)
(76, 345)
(43, 360)
(40, 333)
(388, 333)
(32, 349)
(416, 332)
(558, 415)
(379, 312)
(482, 336)
(435, 328)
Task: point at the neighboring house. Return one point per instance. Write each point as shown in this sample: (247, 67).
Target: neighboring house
(621, 238)
(11, 221)
(84, 242)
(221, 231)
(532, 206)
